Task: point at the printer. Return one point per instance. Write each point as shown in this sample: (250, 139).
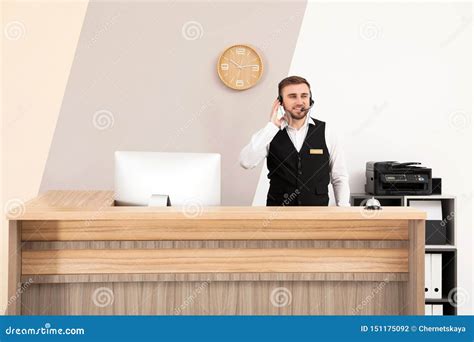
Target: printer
(394, 178)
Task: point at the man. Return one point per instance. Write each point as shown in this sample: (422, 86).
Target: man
(303, 155)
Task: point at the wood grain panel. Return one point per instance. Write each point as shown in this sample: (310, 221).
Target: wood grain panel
(217, 298)
(14, 269)
(214, 260)
(185, 229)
(72, 198)
(42, 245)
(416, 276)
(235, 277)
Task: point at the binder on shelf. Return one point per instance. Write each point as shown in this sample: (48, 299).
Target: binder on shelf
(436, 275)
(435, 231)
(428, 309)
(428, 288)
(433, 208)
(437, 310)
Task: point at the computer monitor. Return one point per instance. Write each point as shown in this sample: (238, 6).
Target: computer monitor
(187, 178)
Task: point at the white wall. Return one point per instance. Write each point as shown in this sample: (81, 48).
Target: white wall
(395, 80)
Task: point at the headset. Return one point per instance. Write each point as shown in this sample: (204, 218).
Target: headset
(281, 110)
(311, 101)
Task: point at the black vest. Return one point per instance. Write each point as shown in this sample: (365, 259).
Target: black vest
(299, 178)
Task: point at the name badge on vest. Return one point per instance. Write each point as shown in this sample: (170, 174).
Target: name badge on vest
(316, 151)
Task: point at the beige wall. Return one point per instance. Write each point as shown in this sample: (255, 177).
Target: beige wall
(38, 44)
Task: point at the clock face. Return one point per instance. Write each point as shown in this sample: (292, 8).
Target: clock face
(240, 67)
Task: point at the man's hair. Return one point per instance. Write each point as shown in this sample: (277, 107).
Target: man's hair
(291, 80)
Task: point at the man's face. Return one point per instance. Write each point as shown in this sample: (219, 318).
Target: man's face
(295, 98)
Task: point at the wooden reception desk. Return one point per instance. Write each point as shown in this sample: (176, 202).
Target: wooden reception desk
(75, 253)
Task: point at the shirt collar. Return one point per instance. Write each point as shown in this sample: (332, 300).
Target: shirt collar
(309, 121)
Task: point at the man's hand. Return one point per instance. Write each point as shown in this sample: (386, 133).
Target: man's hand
(274, 114)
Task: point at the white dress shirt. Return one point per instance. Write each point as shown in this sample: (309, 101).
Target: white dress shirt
(256, 151)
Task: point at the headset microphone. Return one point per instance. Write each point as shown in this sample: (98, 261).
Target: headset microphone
(306, 109)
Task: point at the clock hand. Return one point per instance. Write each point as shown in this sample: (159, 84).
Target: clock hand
(238, 65)
(248, 65)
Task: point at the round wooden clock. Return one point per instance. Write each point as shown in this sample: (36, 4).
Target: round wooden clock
(240, 67)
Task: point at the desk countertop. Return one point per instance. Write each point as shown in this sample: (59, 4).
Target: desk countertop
(99, 205)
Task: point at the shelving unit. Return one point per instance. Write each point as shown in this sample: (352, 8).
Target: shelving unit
(448, 250)
(448, 276)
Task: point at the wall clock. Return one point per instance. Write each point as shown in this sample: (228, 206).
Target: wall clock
(240, 67)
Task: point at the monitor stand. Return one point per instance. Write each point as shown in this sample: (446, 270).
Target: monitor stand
(159, 201)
